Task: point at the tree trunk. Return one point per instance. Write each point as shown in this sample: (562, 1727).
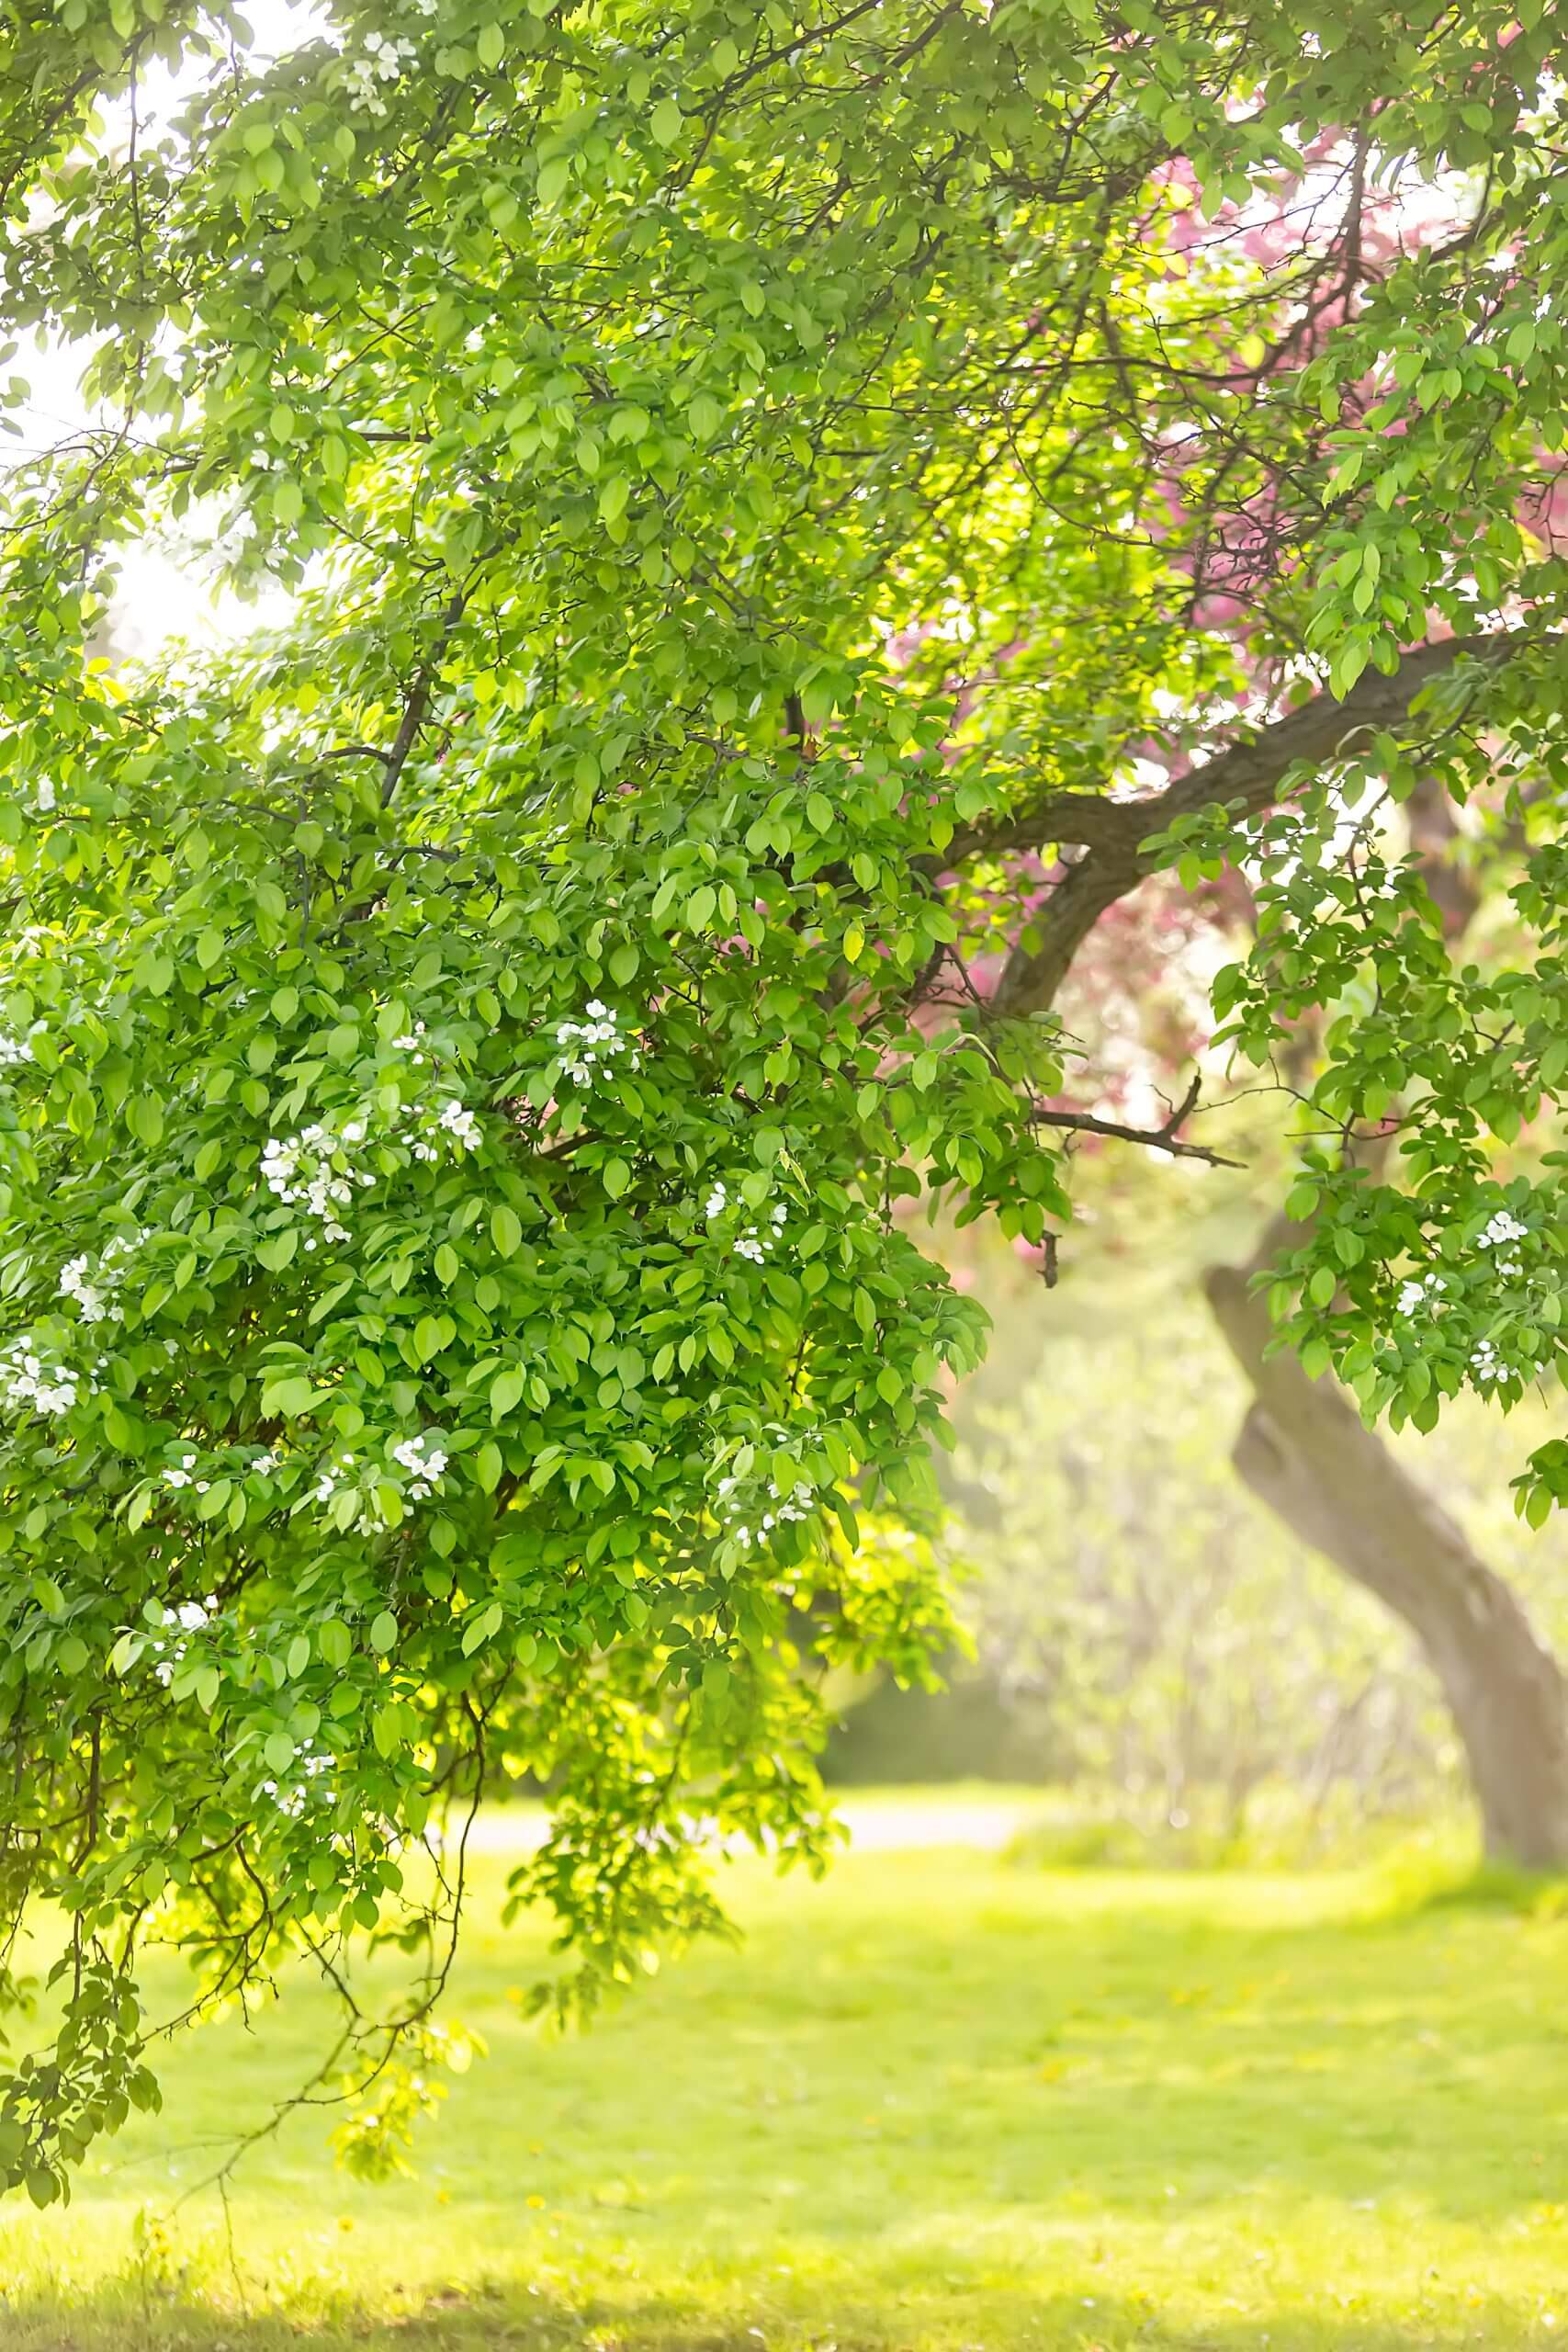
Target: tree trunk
(1305, 1451)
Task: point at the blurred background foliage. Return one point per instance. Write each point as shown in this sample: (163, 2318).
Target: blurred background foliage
(1147, 1640)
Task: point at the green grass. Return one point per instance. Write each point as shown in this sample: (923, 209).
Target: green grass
(938, 2101)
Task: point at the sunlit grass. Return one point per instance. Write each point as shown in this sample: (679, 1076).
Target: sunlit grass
(936, 2101)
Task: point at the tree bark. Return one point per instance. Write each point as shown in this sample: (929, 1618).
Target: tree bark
(1305, 1451)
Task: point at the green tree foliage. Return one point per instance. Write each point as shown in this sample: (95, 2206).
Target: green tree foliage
(747, 477)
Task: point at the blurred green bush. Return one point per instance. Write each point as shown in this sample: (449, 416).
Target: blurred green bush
(1151, 1641)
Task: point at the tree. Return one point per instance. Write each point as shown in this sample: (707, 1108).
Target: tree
(783, 507)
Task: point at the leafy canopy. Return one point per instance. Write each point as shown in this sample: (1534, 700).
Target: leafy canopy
(757, 487)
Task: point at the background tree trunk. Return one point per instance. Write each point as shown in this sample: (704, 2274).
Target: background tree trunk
(1305, 1451)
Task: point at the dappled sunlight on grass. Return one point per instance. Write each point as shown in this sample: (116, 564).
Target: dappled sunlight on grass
(938, 2101)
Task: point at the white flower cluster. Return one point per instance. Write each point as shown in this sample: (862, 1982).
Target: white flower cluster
(424, 1458)
(1415, 1295)
(1488, 1366)
(1501, 1230)
(313, 1763)
(453, 1119)
(73, 1284)
(13, 1050)
(317, 1169)
(757, 1241)
(190, 1617)
(184, 1474)
(593, 1043)
(91, 1287)
(332, 1480)
(29, 1379)
(787, 1510)
(313, 1169)
(383, 61)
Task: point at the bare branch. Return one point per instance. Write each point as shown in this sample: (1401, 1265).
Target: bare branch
(1163, 1138)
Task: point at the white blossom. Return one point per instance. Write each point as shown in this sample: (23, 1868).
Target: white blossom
(424, 1458)
(313, 1763)
(593, 1043)
(756, 1241)
(383, 61)
(28, 1378)
(1420, 1291)
(188, 1617)
(451, 1122)
(13, 1050)
(330, 1480)
(777, 1509)
(460, 1124)
(92, 1286)
(311, 1170)
(73, 1284)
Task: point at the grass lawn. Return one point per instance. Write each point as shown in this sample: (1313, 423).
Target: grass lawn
(937, 2101)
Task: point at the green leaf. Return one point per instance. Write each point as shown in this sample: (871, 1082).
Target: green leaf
(506, 1229)
(384, 1632)
(335, 1642)
(289, 1397)
(554, 179)
(480, 1627)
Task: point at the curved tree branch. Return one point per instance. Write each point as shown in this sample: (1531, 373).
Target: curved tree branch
(1244, 777)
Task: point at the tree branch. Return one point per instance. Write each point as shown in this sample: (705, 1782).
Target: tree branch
(419, 693)
(1157, 1138)
(1245, 776)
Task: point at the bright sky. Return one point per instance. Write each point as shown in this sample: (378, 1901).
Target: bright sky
(164, 595)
